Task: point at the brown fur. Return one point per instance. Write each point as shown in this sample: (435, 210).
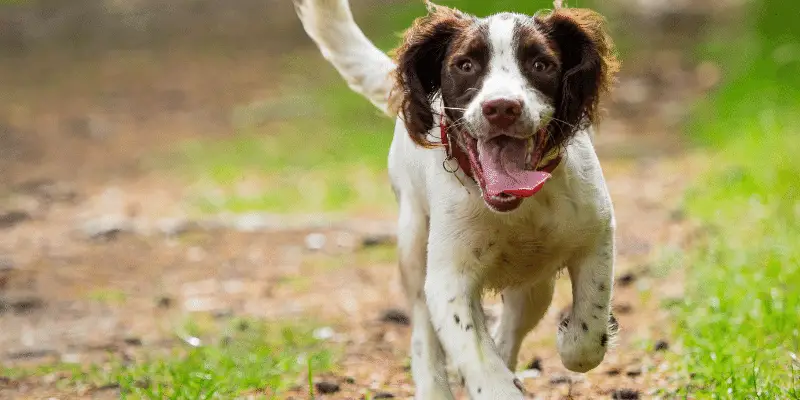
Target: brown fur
(419, 62)
(586, 51)
(589, 61)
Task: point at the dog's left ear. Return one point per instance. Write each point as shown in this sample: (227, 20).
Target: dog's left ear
(589, 64)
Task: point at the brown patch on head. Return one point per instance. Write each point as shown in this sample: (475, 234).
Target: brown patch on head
(588, 62)
(420, 59)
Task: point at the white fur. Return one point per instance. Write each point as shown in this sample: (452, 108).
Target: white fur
(452, 247)
(367, 69)
(504, 80)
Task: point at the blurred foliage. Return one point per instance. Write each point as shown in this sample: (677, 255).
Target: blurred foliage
(335, 161)
(739, 324)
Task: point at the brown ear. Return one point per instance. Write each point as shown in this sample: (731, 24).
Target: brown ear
(419, 66)
(589, 63)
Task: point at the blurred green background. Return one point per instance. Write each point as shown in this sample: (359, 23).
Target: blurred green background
(232, 108)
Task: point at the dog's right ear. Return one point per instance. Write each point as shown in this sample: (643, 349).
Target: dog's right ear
(419, 66)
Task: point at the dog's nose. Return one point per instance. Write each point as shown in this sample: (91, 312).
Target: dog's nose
(502, 112)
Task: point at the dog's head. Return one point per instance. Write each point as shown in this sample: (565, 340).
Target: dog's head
(514, 87)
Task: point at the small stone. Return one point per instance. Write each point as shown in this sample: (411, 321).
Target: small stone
(535, 364)
(613, 372)
(11, 218)
(661, 345)
(327, 387)
(71, 358)
(634, 372)
(164, 302)
(560, 380)
(6, 265)
(395, 316)
(30, 354)
(625, 394)
(623, 308)
(626, 279)
(315, 241)
(26, 305)
(377, 240)
(106, 228)
(323, 333)
(133, 341)
(175, 226)
(350, 380)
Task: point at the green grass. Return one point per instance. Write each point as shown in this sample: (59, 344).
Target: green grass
(740, 323)
(244, 357)
(334, 161)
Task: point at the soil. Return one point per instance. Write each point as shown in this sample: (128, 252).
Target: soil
(97, 253)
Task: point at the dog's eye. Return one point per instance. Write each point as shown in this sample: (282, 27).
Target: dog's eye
(541, 66)
(466, 66)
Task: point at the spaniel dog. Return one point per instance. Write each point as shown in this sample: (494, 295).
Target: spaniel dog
(498, 184)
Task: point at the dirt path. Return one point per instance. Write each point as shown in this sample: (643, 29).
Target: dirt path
(97, 255)
(69, 291)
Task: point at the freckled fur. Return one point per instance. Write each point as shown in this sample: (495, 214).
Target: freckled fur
(452, 247)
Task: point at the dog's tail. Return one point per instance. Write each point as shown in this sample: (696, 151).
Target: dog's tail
(367, 69)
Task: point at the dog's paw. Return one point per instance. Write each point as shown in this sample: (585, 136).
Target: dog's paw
(582, 346)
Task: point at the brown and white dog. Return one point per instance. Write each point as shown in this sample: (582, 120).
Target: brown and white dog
(489, 110)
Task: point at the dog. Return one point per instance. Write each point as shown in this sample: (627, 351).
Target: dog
(498, 184)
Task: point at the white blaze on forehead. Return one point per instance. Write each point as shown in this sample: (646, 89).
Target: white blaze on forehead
(504, 78)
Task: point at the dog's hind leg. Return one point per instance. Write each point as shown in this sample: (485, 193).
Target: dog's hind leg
(583, 336)
(427, 356)
(522, 309)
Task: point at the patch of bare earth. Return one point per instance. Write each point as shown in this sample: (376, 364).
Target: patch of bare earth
(98, 258)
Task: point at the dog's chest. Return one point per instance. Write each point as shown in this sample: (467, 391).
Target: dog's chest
(522, 249)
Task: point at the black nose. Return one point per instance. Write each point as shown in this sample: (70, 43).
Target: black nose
(502, 112)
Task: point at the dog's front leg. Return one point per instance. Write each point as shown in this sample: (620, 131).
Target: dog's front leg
(453, 296)
(583, 336)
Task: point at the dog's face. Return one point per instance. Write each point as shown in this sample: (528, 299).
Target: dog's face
(514, 88)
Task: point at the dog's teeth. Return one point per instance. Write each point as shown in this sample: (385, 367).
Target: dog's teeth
(528, 152)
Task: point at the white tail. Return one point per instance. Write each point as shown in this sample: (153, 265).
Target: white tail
(366, 68)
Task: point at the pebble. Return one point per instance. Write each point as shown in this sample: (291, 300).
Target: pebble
(201, 304)
(323, 333)
(377, 240)
(174, 226)
(634, 372)
(626, 279)
(106, 228)
(11, 218)
(6, 265)
(625, 394)
(661, 345)
(536, 364)
(315, 241)
(26, 305)
(395, 316)
(71, 358)
(327, 387)
(623, 308)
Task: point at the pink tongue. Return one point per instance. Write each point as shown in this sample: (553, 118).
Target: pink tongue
(503, 161)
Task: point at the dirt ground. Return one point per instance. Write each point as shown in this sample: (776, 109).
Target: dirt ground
(97, 253)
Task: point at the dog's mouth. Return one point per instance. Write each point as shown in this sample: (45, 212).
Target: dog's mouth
(505, 169)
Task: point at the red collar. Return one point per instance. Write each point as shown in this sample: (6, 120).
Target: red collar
(456, 152)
